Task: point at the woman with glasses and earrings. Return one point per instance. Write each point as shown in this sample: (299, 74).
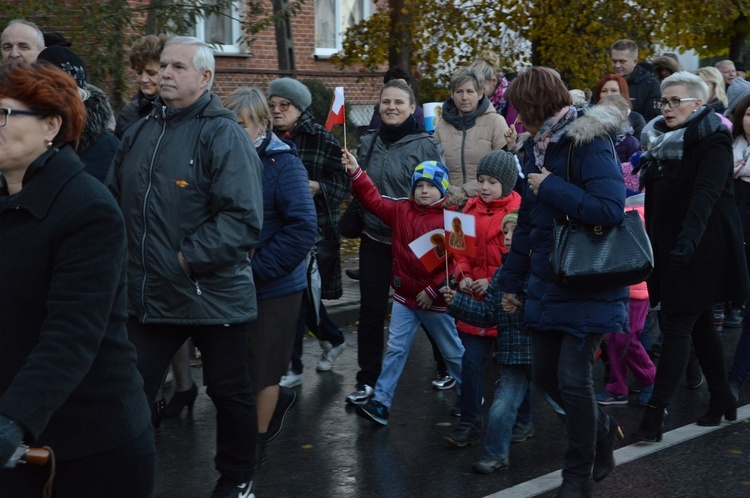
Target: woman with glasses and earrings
(696, 234)
(68, 376)
(320, 152)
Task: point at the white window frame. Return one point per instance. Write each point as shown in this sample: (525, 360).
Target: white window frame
(236, 47)
(325, 53)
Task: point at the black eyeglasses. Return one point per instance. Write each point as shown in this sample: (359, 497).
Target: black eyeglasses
(7, 111)
(673, 103)
(283, 105)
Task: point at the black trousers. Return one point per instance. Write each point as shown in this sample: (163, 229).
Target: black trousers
(224, 355)
(677, 332)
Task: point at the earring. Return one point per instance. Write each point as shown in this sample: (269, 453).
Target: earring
(49, 144)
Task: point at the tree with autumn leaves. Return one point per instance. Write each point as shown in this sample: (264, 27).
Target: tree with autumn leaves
(101, 30)
(572, 36)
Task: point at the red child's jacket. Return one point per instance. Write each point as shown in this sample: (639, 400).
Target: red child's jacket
(408, 221)
(490, 247)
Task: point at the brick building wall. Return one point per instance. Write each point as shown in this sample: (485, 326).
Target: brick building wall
(259, 65)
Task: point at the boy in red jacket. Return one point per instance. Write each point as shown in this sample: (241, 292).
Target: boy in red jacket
(497, 173)
(417, 299)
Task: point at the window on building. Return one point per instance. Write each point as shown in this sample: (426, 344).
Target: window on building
(223, 31)
(332, 18)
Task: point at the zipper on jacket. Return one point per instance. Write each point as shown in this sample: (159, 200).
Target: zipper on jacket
(145, 204)
(197, 287)
(463, 145)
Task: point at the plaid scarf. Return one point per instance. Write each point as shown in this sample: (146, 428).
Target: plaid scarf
(552, 131)
(666, 144)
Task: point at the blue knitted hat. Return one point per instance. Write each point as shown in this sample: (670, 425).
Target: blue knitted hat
(434, 172)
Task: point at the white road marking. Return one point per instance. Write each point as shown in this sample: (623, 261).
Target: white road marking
(553, 480)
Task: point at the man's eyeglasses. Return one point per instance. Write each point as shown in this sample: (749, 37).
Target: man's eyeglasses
(283, 105)
(7, 111)
(673, 103)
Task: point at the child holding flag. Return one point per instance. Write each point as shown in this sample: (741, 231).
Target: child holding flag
(497, 173)
(417, 298)
(513, 355)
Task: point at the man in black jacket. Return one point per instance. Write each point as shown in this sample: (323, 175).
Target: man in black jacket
(189, 182)
(644, 88)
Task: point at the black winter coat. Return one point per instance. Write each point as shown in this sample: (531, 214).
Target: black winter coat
(694, 198)
(67, 369)
(645, 92)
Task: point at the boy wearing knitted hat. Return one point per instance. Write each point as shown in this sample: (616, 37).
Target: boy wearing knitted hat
(510, 419)
(417, 299)
(496, 176)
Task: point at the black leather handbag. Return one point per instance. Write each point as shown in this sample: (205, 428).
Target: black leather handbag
(590, 257)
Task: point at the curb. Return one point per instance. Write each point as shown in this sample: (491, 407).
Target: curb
(344, 315)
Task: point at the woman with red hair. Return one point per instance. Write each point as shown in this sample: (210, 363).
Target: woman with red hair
(68, 377)
(615, 84)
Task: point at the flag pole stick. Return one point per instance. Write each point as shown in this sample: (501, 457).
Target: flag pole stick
(344, 110)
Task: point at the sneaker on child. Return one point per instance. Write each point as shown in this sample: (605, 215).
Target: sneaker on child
(487, 465)
(464, 435)
(443, 382)
(329, 356)
(645, 395)
(522, 432)
(374, 411)
(607, 398)
(361, 395)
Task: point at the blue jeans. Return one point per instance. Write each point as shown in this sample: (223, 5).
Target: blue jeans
(740, 372)
(404, 325)
(326, 331)
(525, 415)
(477, 350)
(511, 391)
(563, 368)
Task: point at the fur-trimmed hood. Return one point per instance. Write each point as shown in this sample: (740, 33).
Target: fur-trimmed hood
(98, 117)
(598, 121)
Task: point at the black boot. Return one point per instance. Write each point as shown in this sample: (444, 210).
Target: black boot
(604, 460)
(721, 404)
(157, 409)
(652, 425)
(575, 489)
(180, 400)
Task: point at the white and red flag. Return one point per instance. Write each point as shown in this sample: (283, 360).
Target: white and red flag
(460, 233)
(337, 114)
(430, 249)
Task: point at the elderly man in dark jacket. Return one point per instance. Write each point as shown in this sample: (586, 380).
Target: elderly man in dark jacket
(189, 182)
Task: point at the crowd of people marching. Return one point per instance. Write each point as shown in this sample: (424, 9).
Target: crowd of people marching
(133, 239)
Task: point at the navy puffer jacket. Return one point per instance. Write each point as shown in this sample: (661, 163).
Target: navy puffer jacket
(598, 198)
(289, 222)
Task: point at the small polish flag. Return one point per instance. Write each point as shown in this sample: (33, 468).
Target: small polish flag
(337, 114)
(430, 249)
(460, 233)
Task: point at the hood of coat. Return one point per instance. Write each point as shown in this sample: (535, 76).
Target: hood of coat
(99, 115)
(599, 121)
(273, 145)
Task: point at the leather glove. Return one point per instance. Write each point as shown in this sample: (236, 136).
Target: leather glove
(682, 252)
(11, 436)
